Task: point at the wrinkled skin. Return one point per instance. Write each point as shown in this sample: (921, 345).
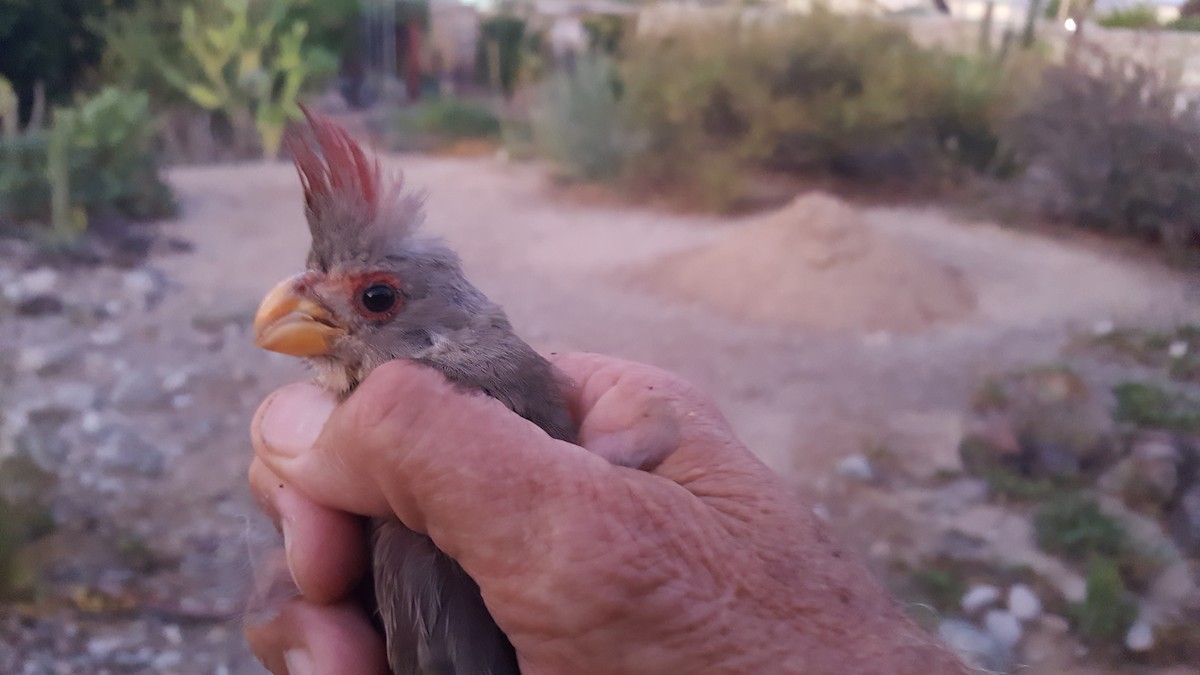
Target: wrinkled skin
(704, 563)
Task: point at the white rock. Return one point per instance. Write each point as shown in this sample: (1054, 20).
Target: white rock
(140, 283)
(856, 467)
(978, 648)
(1003, 626)
(1140, 637)
(1103, 328)
(1023, 602)
(74, 395)
(1178, 349)
(978, 597)
(821, 511)
(31, 359)
(39, 281)
(167, 660)
(176, 380)
(104, 645)
(91, 422)
(105, 336)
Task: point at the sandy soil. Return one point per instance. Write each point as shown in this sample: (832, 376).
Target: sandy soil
(802, 396)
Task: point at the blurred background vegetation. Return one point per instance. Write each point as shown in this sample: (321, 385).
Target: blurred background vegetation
(708, 111)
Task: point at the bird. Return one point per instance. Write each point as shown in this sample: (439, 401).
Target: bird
(374, 289)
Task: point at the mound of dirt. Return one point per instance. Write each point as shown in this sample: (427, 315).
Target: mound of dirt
(815, 263)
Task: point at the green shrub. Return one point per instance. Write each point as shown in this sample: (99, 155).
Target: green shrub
(1148, 405)
(853, 96)
(576, 120)
(453, 118)
(111, 165)
(499, 52)
(1111, 149)
(1072, 525)
(245, 62)
(1137, 16)
(1107, 612)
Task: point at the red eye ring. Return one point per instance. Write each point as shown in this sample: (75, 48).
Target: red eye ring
(378, 296)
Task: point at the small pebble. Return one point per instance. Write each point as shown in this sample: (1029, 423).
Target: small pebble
(1178, 349)
(1003, 626)
(978, 597)
(1140, 637)
(856, 467)
(1023, 602)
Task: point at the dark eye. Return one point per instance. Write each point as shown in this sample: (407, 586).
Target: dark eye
(379, 298)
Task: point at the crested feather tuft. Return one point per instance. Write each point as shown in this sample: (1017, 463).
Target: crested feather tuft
(348, 204)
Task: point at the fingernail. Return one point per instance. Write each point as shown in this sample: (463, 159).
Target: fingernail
(287, 547)
(293, 417)
(298, 662)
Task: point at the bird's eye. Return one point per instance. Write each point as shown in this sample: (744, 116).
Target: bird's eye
(379, 298)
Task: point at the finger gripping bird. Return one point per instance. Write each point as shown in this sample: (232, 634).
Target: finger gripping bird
(374, 291)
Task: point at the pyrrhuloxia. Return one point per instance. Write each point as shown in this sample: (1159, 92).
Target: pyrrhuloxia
(374, 291)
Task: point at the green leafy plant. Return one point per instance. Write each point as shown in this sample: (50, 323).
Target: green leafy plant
(1148, 405)
(96, 159)
(499, 52)
(576, 120)
(1107, 611)
(819, 93)
(249, 63)
(1137, 16)
(1073, 526)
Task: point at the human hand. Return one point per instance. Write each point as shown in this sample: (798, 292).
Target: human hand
(702, 562)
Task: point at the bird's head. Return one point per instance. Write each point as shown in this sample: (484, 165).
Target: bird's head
(372, 291)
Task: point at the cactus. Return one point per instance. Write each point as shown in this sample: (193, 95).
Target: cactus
(248, 65)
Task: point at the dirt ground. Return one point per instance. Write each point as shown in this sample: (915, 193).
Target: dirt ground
(802, 398)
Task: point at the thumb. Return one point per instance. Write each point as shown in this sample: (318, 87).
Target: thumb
(452, 463)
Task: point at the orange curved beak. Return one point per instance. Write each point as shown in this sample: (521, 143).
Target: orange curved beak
(289, 323)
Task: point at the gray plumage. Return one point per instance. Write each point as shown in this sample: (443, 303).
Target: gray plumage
(431, 610)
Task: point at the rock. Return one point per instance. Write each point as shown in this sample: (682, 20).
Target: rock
(40, 281)
(41, 440)
(979, 649)
(958, 495)
(1148, 477)
(1174, 592)
(123, 449)
(978, 597)
(144, 286)
(1023, 603)
(172, 634)
(822, 512)
(1055, 624)
(40, 305)
(106, 335)
(91, 422)
(1003, 626)
(1178, 349)
(44, 360)
(167, 660)
(926, 444)
(175, 381)
(856, 467)
(1140, 637)
(138, 389)
(74, 395)
(1103, 328)
(102, 646)
(1184, 521)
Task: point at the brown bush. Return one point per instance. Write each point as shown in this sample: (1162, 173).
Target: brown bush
(1111, 145)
